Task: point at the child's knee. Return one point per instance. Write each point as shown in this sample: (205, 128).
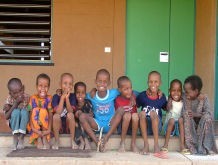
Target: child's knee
(153, 115)
(135, 117)
(15, 113)
(120, 111)
(82, 118)
(56, 118)
(142, 115)
(127, 116)
(70, 116)
(171, 122)
(180, 120)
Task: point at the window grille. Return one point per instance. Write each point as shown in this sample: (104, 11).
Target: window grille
(25, 31)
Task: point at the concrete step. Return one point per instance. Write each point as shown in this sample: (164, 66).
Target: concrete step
(113, 143)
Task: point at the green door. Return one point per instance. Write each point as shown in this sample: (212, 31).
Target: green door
(155, 26)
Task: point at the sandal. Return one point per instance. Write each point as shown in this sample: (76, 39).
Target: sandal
(185, 152)
(164, 149)
(99, 140)
(161, 155)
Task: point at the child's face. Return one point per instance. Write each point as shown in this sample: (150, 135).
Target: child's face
(126, 89)
(16, 90)
(176, 91)
(80, 93)
(189, 92)
(102, 82)
(67, 83)
(42, 87)
(154, 82)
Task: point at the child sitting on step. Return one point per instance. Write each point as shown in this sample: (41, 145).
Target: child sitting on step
(174, 122)
(41, 113)
(15, 109)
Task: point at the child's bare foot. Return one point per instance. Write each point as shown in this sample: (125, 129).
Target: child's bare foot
(15, 141)
(156, 148)
(20, 145)
(74, 145)
(145, 150)
(45, 143)
(55, 146)
(39, 143)
(82, 145)
(134, 148)
(103, 145)
(122, 147)
(87, 145)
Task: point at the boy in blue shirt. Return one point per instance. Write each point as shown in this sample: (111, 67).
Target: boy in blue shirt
(103, 109)
(151, 102)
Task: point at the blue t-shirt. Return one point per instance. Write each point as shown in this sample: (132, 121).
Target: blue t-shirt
(103, 108)
(56, 99)
(147, 104)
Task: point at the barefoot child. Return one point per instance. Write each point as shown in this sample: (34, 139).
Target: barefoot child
(198, 122)
(151, 102)
(41, 113)
(103, 109)
(64, 106)
(126, 100)
(15, 109)
(82, 106)
(174, 121)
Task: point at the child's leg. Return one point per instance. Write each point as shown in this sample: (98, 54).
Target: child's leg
(115, 121)
(182, 134)
(71, 124)
(56, 128)
(125, 126)
(15, 121)
(23, 124)
(143, 126)
(39, 143)
(155, 128)
(88, 124)
(135, 123)
(78, 136)
(15, 141)
(170, 127)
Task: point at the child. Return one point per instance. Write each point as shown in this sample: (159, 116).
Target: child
(16, 112)
(126, 100)
(198, 123)
(151, 102)
(41, 113)
(83, 106)
(174, 121)
(64, 106)
(103, 109)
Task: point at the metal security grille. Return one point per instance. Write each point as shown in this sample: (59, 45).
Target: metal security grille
(25, 30)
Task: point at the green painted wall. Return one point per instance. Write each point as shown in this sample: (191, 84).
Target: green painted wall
(155, 26)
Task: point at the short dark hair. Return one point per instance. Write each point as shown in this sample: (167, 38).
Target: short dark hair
(103, 71)
(44, 76)
(154, 72)
(122, 79)
(195, 81)
(175, 81)
(13, 81)
(66, 74)
(80, 83)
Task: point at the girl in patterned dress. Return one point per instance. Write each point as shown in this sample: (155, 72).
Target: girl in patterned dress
(41, 113)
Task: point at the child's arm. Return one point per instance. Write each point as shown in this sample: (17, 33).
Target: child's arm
(8, 108)
(60, 105)
(68, 104)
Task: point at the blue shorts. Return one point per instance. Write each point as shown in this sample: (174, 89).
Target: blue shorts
(149, 125)
(105, 124)
(175, 131)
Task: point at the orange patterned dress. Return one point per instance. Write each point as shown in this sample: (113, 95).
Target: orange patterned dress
(40, 108)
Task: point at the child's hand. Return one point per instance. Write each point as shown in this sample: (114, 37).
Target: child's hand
(201, 97)
(132, 101)
(39, 133)
(46, 132)
(160, 93)
(190, 114)
(197, 114)
(59, 92)
(19, 99)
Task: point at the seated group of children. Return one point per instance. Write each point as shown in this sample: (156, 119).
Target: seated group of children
(109, 110)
